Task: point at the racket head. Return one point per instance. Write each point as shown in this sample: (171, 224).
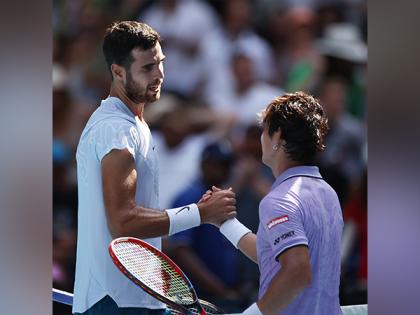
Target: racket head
(154, 272)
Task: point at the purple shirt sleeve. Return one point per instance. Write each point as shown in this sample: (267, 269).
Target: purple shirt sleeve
(283, 223)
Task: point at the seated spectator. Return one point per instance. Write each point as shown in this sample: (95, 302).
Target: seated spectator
(219, 46)
(202, 252)
(341, 163)
(182, 24)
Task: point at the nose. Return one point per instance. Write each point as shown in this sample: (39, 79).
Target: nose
(160, 73)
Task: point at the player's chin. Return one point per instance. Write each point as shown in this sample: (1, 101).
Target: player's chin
(153, 96)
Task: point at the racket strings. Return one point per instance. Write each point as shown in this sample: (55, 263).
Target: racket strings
(154, 272)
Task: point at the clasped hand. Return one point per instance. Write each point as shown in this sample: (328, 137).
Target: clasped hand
(217, 205)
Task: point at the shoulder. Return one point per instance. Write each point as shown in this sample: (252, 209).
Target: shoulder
(116, 128)
(115, 133)
(281, 200)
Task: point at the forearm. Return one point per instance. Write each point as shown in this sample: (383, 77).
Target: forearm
(144, 223)
(241, 237)
(127, 219)
(248, 246)
(139, 222)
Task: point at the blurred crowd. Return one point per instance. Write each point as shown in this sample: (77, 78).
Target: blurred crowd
(225, 61)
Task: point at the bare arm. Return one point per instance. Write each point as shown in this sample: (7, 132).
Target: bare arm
(248, 246)
(119, 180)
(293, 277)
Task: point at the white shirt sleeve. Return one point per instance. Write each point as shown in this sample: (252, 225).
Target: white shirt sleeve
(116, 135)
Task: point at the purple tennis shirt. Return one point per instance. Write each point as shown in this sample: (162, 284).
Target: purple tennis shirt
(302, 209)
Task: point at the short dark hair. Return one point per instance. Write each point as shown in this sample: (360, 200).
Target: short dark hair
(122, 37)
(302, 123)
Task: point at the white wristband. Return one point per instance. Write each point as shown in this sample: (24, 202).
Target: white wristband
(252, 310)
(234, 230)
(183, 218)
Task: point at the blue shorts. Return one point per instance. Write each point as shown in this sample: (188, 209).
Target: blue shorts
(107, 306)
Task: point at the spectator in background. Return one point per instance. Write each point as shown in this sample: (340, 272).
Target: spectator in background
(245, 96)
(218, 47)
(251, 181)
(203, 253)
(182, 25)
(329, 12)
(64, 192)
(342, 162)
(292, 32)
(88, 80)
(179, 149)
(346, 56)
(354, 245)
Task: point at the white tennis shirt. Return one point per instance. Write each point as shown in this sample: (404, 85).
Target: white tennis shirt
(111, 126)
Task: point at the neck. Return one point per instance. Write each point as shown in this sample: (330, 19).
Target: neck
(136, 108)
(282, 164)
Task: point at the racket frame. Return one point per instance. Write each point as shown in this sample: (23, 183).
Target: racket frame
(146, 288)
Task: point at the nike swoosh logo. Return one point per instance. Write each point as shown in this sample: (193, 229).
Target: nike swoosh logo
(182, 209)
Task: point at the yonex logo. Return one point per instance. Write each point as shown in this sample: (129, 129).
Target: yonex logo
(279, 220)
(283, 236)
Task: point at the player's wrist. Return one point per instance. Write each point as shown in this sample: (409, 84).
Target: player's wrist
(183, 218)
(234, 230)
(202, 210)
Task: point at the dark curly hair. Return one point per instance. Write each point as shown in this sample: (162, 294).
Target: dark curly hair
(122, 37)
(302, 122)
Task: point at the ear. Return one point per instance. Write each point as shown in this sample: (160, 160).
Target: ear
(118, 73)
(276, 138)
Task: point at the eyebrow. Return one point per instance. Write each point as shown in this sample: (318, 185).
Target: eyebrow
(154, 63)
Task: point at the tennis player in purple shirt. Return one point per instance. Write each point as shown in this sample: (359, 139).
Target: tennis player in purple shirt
(297, 246)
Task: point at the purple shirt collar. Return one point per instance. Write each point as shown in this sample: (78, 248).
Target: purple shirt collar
(306, 171)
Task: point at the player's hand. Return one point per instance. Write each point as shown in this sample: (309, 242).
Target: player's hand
(206, 196)
(217, 206)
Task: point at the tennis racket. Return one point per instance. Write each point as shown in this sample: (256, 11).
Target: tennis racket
(208, 307)
(156, 274)
(66, 298)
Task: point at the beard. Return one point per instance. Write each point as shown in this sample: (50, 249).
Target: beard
(138, 95)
